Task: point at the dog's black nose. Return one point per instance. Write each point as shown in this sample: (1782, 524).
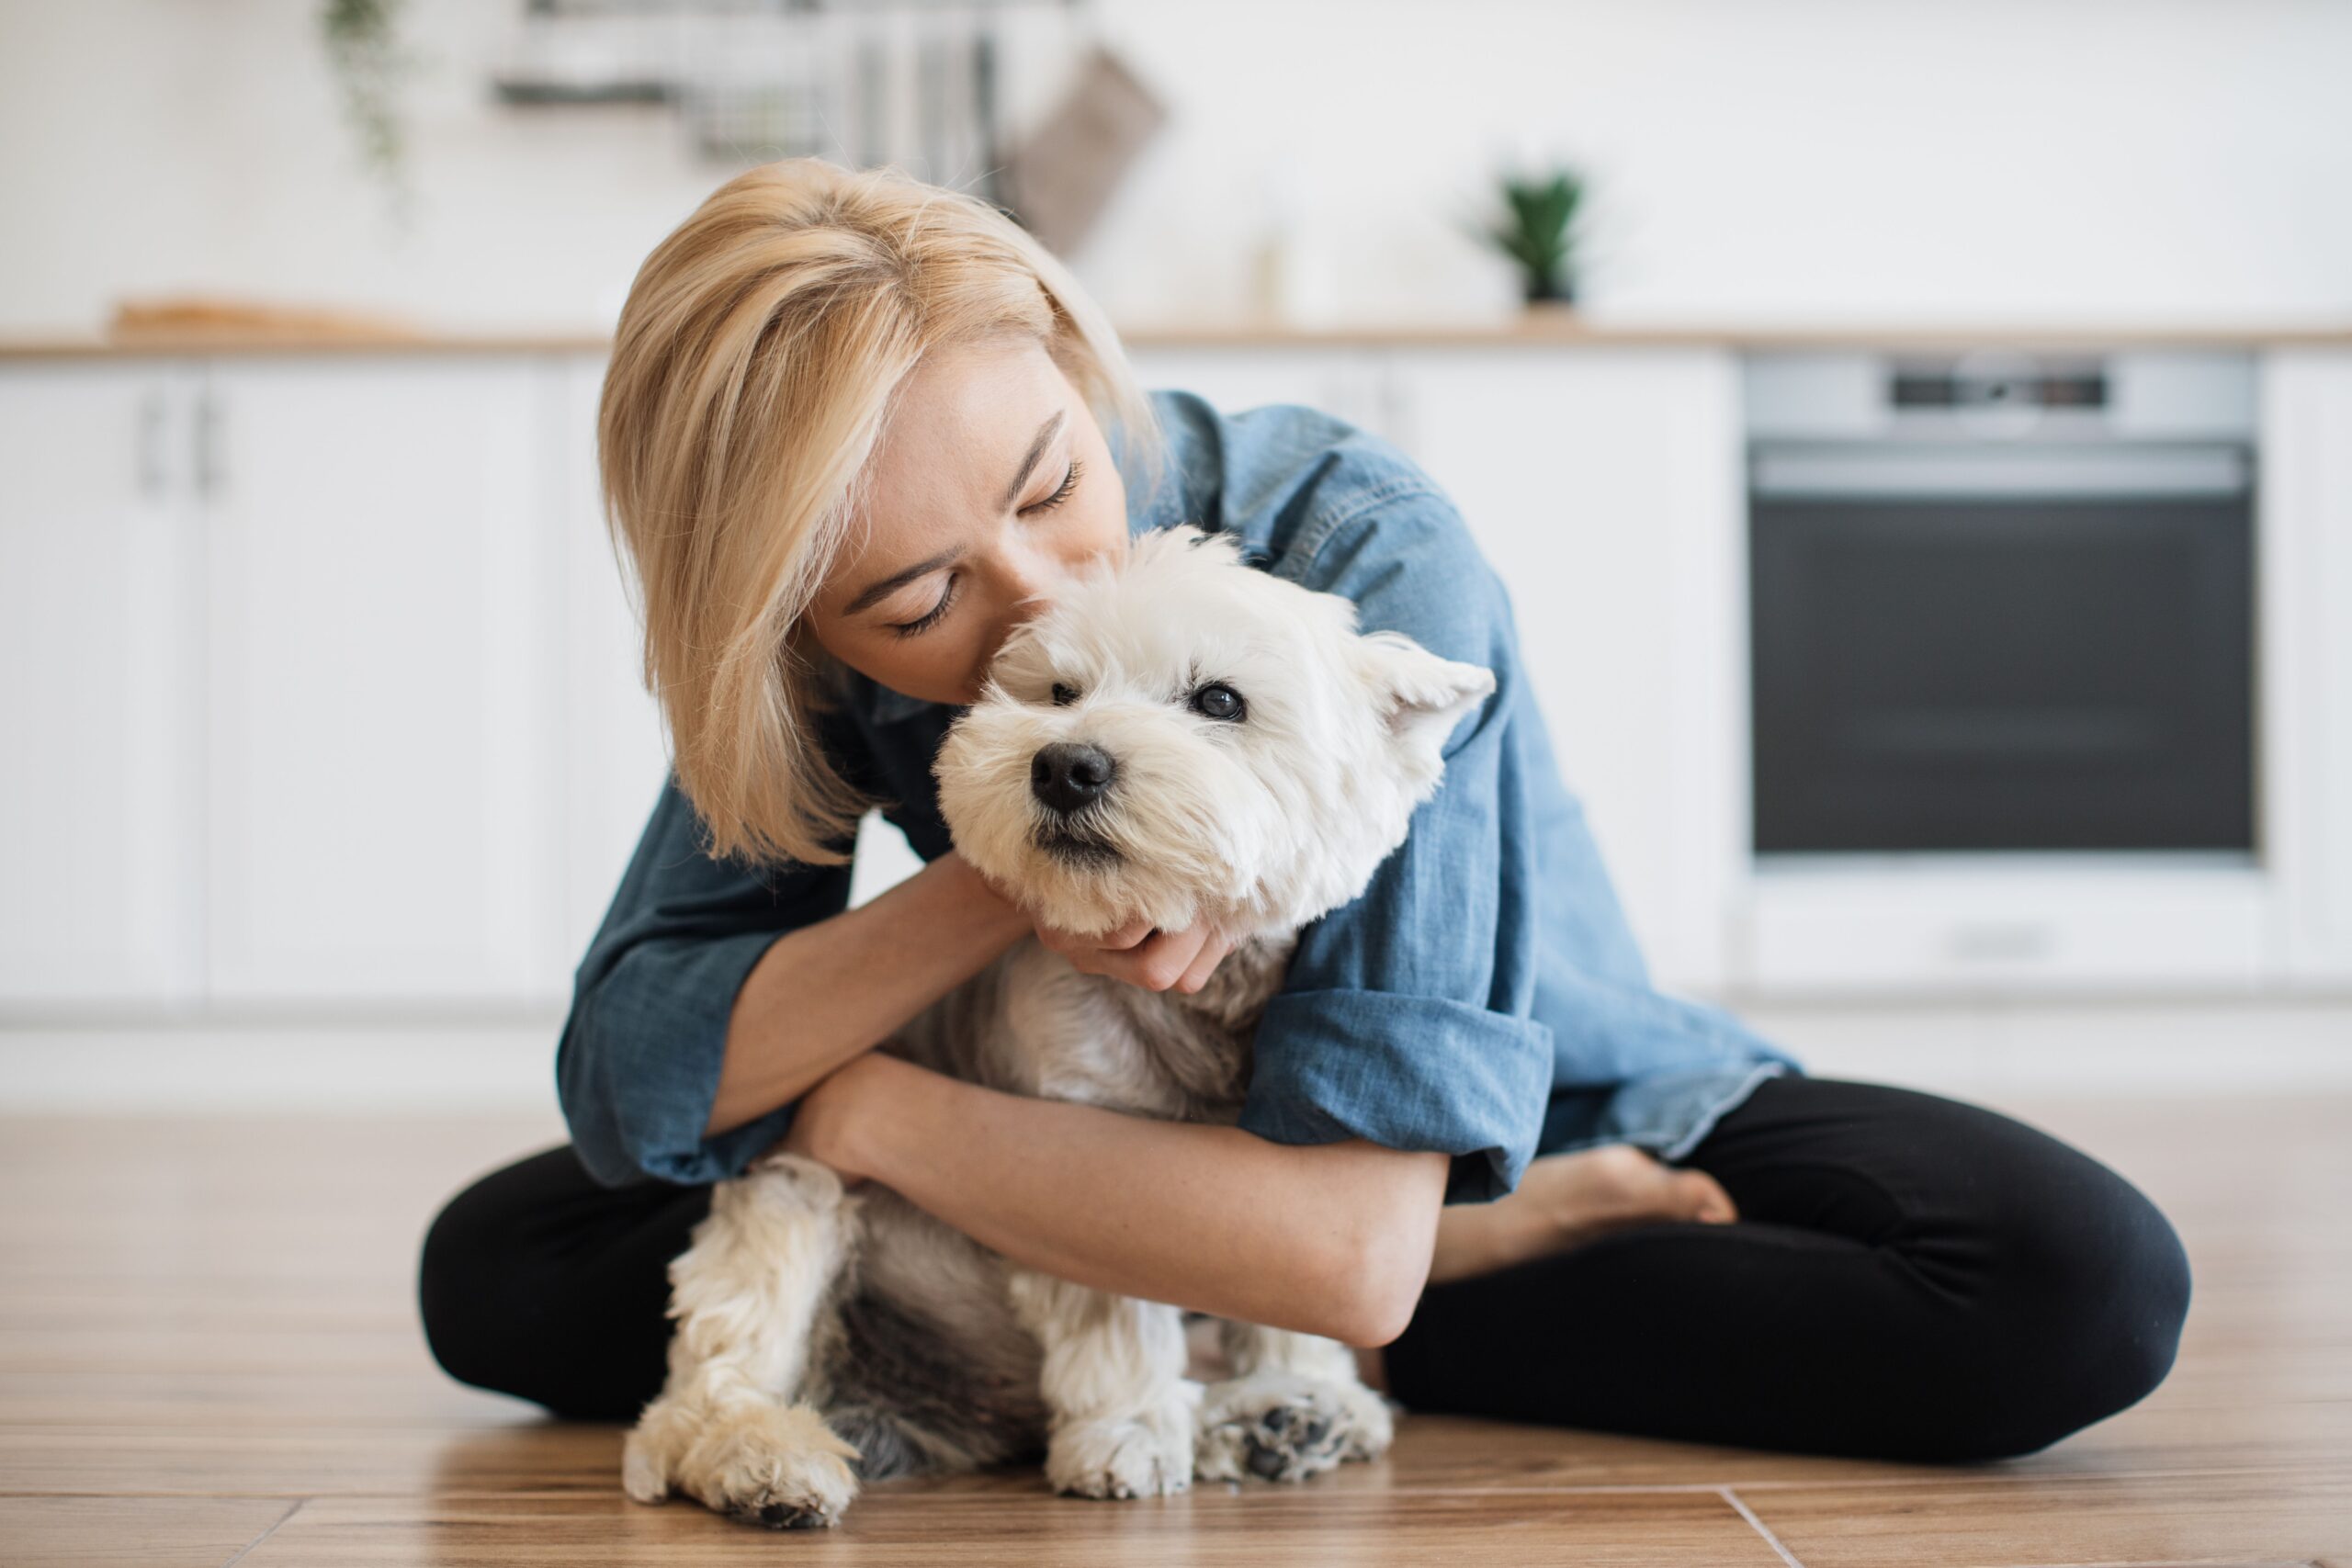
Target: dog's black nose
(1066, 776)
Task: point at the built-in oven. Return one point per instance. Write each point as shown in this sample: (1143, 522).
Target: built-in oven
(1994, 613)
(2002, 675)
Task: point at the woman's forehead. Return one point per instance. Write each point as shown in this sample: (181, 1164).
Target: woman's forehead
(955, 442)
(966, 421)
(965, 405)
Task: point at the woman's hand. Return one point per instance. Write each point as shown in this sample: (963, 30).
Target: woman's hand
(1138, 953)
(1145, 955)
(823, 1122)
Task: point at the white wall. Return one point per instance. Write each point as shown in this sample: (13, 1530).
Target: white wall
(1933, 160)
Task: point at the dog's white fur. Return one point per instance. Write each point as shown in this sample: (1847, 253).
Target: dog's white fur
(824, 1337)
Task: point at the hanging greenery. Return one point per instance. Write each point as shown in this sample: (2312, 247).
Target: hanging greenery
(363, 47)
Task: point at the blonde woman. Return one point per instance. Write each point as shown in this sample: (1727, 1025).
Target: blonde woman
(853, 425)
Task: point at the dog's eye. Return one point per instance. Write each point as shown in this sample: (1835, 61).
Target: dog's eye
(1218, 700)
(1064, 696)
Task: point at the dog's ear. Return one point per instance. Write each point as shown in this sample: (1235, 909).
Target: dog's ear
(1420, 696)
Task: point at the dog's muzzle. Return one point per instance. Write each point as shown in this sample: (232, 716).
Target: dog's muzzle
(1066, 777)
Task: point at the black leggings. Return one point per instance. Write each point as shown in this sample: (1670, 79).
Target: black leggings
(1909, 1278)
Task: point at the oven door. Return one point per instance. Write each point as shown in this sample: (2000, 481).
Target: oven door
(1988, 647)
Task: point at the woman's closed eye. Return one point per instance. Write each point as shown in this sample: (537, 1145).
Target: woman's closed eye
(1070, 483)
(930, 617)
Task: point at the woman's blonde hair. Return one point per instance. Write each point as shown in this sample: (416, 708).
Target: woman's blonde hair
(756, 362)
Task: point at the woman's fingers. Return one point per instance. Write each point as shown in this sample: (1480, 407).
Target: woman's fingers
(1179, 959)
(1158, 962)
(1143, 956)
(1073, 945)
(1204, 963)
(1127, 937)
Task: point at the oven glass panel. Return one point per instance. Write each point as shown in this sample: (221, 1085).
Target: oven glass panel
(2002, 672)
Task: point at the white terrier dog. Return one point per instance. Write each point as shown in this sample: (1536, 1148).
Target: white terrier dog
(1187, 740)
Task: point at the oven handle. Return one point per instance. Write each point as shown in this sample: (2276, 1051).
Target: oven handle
(1880, 470)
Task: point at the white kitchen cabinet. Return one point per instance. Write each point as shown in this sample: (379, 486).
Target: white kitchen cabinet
(100, 819)
(611, 747)
(322, 694)
(1605, 489)
(2306, 658)
(382, 675)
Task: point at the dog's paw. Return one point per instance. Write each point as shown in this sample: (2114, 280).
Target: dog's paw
(1149, 1456)
(772, 1465)
(1279, 1426)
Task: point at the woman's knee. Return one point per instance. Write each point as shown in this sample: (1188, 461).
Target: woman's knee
(537, 1282)
(2082, 1318)
(466, 1250)
(2124, 1303)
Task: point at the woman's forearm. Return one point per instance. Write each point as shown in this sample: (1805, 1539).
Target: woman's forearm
(1326, 1238)
(822, 994)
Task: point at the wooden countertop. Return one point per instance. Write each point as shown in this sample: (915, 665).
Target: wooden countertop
(1537, 329)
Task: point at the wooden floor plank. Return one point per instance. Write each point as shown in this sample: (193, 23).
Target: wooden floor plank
(308, 1462)
(2079, 1519)
(1432, 1454)
(409, 1392)
(1253, 1526)
(132, 1532)
(204, 1321)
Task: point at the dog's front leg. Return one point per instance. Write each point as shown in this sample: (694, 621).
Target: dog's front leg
(1295, 1407)
(1114, 1379)
(746, 1295)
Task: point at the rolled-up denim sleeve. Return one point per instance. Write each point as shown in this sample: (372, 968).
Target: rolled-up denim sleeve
(636, 1068)
(1406, 1016)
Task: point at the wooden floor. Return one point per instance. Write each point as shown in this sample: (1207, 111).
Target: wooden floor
(209, 1354)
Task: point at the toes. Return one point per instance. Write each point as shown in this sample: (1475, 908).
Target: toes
(1704, 1198)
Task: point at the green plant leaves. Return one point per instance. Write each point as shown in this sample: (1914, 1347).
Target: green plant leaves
(1537, 226)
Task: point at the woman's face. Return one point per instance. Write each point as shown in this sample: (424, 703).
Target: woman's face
(991, 484)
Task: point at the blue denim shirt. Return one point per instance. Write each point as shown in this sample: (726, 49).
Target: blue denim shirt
(1484, 996)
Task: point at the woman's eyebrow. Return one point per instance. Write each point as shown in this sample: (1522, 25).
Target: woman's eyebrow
(1037, 450)
(898, 580)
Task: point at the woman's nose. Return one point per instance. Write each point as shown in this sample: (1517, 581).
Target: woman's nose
(1025, 577)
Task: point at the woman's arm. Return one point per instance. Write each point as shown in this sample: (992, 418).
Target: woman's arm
(1326, 1238)
(794, 1020)
(793, 1023)
(1175, 1212)
(642, 1046)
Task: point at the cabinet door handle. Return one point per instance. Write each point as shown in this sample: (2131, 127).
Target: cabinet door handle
(207, 445)
(153, 410)
(1998, 943)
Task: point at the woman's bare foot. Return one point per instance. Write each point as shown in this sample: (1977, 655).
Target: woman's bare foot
(1604, 1189)
(1561, 1202)
(1564, 1200)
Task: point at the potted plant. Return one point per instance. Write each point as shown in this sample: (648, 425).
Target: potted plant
(1537, 228)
